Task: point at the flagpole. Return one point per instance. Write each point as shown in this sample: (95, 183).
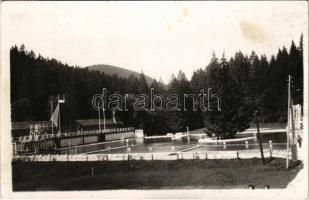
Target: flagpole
(99, 118)
(114, 118)
(51, 112)
(104, 118)
(103, 103)
(59, 116)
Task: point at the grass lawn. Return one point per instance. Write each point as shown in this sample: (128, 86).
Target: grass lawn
(177, 174)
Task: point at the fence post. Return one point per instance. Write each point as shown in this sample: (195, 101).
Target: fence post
(206, 156)
(237, 153)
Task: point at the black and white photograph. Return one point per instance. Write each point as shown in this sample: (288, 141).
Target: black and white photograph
(167, 99)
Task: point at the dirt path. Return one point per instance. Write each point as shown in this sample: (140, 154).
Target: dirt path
(299, 185)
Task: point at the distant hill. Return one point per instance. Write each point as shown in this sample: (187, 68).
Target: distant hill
(121, 72)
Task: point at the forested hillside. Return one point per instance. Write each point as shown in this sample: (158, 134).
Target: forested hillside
(245, 82)
(251, 83)
(121, 72)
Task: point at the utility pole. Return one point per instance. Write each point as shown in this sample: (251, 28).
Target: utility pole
(291, 125)
(288, 125)
(259, 136)
(294, 147)
(287, 145)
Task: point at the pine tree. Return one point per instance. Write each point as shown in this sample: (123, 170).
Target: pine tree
(236, 108)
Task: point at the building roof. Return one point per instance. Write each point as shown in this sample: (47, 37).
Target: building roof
(26, 125)
(82, 122)
(92, 122)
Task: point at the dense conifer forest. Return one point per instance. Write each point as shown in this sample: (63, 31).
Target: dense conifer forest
(246, 83)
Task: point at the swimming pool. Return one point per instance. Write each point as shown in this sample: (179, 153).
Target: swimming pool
(138, 146)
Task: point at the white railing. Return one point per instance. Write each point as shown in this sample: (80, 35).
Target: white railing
(243, 154)
(71, 134)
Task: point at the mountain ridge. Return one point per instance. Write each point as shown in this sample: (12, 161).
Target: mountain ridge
(121, 72)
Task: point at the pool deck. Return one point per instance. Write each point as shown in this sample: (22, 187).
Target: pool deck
(263, 131)
(209, 140)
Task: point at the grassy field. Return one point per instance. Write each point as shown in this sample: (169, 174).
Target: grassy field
(178, 174)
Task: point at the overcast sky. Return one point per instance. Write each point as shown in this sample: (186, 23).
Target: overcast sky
(158, 38)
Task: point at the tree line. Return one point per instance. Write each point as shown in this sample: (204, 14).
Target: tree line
(245, 84)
